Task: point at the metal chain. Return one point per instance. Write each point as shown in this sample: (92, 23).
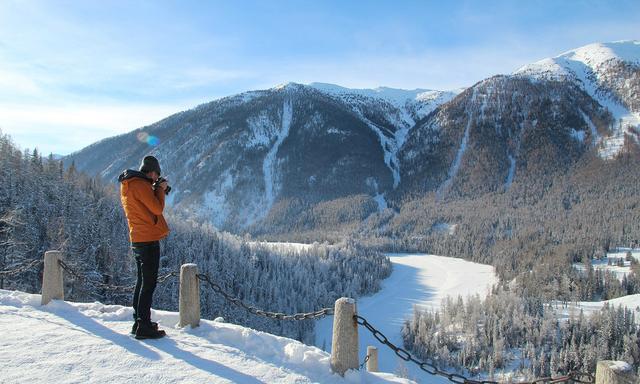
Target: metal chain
(427, 366)
(21, 268)
(272, 315)
(164, 277)
(122, 288)
(430, 367)
(366, 358)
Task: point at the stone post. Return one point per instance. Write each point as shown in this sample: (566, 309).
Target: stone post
(372, 363)
(615, 372)
(52, 280)
(189, 296)
(344, 345)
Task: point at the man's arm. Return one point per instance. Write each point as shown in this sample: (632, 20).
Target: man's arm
(154, 201)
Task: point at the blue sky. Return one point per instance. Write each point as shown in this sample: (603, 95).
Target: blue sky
(73, 72)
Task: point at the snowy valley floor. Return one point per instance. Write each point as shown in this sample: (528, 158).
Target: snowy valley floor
(417, 280)
(66, 342)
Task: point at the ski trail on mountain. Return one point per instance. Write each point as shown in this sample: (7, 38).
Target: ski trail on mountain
(512, 171)
(268, 166)
(455, 166)
(595, 137)
(513, 160)
(390, 149)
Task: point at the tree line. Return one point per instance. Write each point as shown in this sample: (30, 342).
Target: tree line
(44, 206)
(521, 336)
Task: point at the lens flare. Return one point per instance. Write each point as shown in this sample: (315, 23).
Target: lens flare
(151, 140)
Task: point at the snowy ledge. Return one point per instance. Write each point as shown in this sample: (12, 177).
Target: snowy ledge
(80, 342)
(620, 366)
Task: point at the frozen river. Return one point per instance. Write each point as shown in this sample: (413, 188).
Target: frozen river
(417, 280)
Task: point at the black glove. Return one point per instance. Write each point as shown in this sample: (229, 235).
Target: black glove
(157, 183)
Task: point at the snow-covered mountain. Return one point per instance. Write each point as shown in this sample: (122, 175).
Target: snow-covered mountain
(610, 74)
(234, 160)
(530, 125)
(401, 109)
(502, 130)
(297, 156)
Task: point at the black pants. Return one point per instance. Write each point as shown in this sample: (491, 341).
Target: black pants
(148, 261)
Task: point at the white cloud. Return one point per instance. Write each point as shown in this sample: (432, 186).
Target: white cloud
(202, 76)
(63, 129)
(442, 70)
(18, 84)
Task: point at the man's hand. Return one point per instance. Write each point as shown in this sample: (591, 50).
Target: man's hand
(164, 185)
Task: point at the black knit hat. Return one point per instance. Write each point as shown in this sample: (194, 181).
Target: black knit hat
(150, 164)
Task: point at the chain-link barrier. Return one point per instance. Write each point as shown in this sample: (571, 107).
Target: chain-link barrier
(111, 287)
(430, 367)
(272, 315)
(18, 269)
(366, 358)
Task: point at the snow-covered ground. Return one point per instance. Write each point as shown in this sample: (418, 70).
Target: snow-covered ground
(417, 280)
(614, 257)
(588, 307)
(283, 246)
(66, 342)
(566, 310)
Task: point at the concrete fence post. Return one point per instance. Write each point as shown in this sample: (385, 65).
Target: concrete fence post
(344, 345)
(615, 372)
(52, 279)
(189, 296)
(372, 363)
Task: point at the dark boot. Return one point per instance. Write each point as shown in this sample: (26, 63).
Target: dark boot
(148, 331)
(134, 328)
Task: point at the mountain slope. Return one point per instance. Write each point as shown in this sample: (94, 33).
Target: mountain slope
(76, 342)
(501, 130)
(296, 158)
(610, 74)
(528, 126)
(391, 113)
(233, 160)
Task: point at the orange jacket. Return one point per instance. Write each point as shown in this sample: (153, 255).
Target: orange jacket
(143, 207)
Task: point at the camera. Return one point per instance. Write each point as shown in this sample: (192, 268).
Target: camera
(157, 183)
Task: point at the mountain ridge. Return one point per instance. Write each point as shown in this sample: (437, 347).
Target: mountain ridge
(307, 150)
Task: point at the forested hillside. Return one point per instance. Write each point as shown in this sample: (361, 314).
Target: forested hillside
(44, 206)
(506, 332)
(577, 216)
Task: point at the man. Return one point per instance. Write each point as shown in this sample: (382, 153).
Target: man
(143, 202)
